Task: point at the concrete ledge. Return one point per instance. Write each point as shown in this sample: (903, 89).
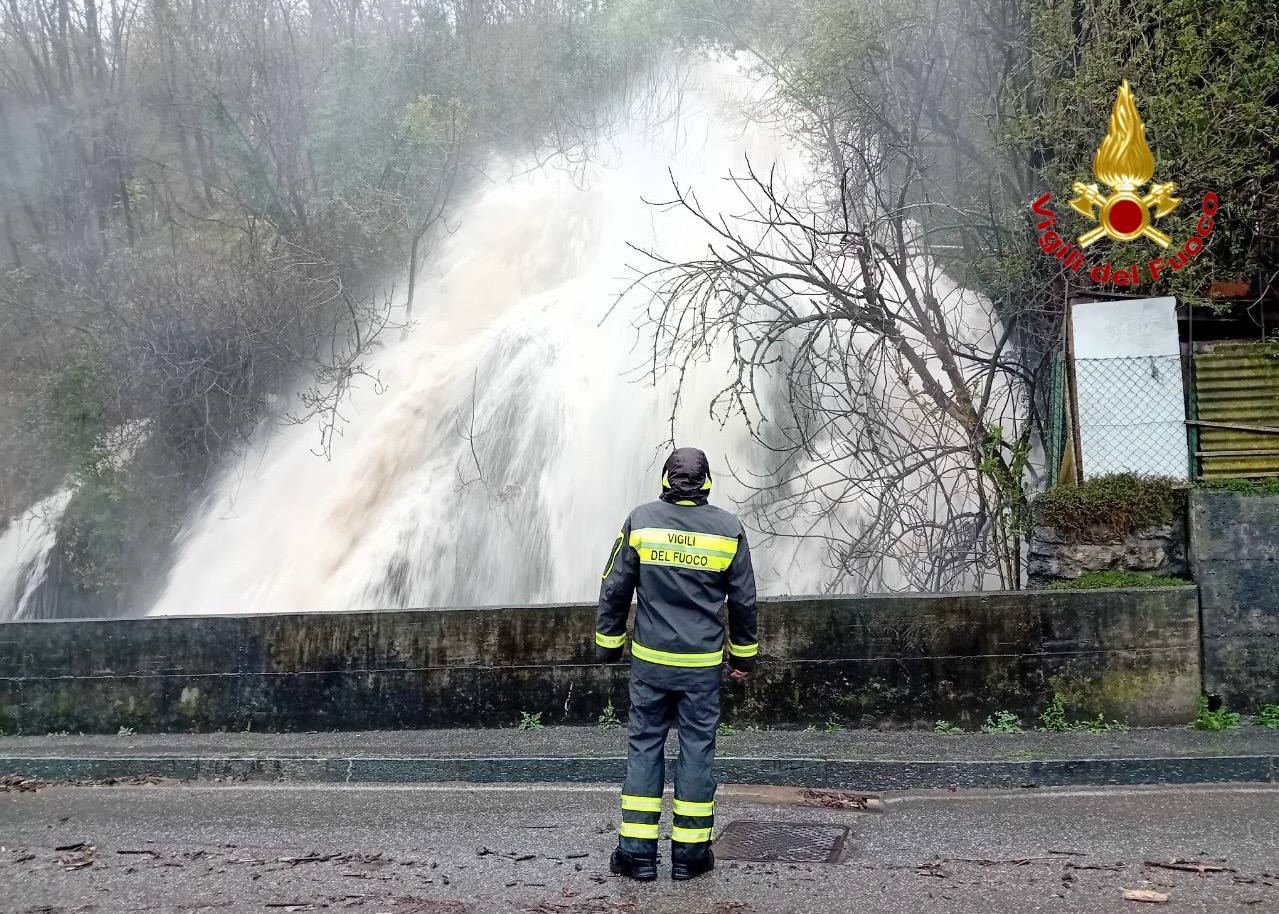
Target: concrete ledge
(787, 772)
(853, 760)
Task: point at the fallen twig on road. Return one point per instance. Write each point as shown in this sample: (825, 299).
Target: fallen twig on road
(985, 861)
(1191, 866)
(309, 858)
(1115, 867)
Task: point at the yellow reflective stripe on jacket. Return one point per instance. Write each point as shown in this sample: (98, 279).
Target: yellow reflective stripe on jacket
(690, 808)
(641, 804)
(683, 548)
(604, 640)
(690, 835)
(637, 830)
(617, 547)
(743, 650)
(691, 540)
(681, 558)
(670, 658)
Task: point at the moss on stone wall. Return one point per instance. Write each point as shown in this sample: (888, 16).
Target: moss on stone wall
(1109, 507)
(1095, 580)
(1109, 691)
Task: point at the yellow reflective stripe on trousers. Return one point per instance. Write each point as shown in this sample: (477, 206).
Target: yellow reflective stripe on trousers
(642, 804)
(690, 835)
(669, 658)
(690, 808)
(743, 650)
(683, 548)
(637, 830)
(604, 640)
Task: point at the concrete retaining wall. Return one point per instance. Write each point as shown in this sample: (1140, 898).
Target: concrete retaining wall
(1234, 551)
(862, 661)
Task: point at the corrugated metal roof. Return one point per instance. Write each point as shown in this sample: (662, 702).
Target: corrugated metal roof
(1237, 386)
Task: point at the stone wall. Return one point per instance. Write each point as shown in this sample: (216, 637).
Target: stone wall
(1156, 550)
(1234, 547)
(862, 661)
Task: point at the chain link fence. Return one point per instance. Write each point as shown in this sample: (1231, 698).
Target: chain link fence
(1132, 415)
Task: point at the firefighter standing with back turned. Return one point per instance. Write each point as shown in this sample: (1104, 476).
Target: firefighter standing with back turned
(685, 558)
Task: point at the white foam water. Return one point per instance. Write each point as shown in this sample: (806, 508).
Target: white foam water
(513, 433)
(26, 545)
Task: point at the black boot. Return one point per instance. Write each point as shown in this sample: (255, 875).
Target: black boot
(688, 861)
(624, 863)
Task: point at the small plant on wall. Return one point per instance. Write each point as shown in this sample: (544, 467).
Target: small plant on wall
(1209, 718)
(1002, 722)
(1111, 506)
(608, 718)
(1054, 720)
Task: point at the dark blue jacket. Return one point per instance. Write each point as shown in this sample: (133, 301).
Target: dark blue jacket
(685, 559)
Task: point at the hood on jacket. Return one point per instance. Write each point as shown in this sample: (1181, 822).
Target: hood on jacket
(686, 477)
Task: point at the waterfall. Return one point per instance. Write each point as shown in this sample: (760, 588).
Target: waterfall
(25, 547)
(513, 427)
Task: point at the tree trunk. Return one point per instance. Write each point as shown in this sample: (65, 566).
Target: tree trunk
(408, 298)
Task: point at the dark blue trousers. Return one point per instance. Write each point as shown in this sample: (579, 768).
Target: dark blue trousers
(693, 705)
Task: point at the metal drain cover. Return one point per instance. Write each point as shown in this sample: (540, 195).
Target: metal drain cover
(781, 842)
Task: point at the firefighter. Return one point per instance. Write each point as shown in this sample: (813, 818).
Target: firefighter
(685, 558)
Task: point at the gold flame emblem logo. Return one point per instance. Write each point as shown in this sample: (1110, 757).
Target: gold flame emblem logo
(1124, 163)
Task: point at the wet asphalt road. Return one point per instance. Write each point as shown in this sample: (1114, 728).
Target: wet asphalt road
(543, 849)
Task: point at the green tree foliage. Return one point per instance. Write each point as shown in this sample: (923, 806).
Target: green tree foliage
(1013, 98)
(1205, 77)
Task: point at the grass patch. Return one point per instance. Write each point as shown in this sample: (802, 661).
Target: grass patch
(529, 721)
(1266, 486)
(1220, 719)
(725, 730)
(1114, 506)
(947, 728)
(608, 718)
(1053, 720)
(833, 726)
(1002, 722)
(1054, 717)
(1094, 580)
(1268, 716)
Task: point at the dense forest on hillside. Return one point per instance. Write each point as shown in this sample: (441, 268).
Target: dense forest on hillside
(207, 208)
